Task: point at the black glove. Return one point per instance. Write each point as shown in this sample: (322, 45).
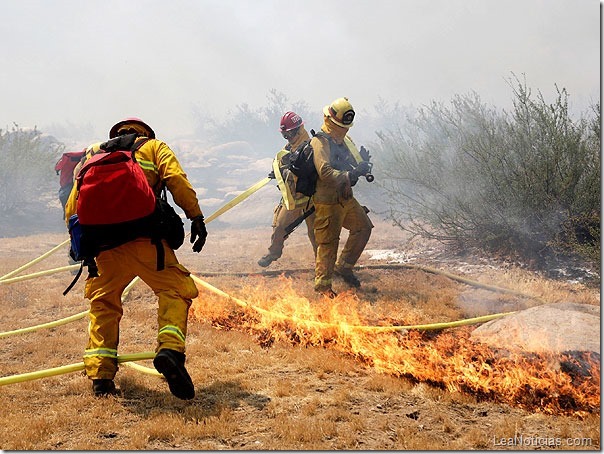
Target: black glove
(364, 152)
(272, 174)
(362, 168)
(199, 232)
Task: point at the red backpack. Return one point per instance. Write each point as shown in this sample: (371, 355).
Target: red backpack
(115, 203)
(64, 166)
(112, 188)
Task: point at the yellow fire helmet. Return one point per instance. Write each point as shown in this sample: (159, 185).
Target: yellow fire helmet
(340, 112)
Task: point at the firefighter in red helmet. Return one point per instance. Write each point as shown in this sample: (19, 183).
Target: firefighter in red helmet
(292, 204)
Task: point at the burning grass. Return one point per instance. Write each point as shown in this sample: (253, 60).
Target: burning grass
(273, 311)
(267, 383)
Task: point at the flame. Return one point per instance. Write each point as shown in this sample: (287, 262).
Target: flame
(548, 383)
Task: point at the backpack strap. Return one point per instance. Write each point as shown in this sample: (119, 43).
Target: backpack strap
(75, 279)
(137, 145)
(320, 134)
(303, 145)
(161, 254)
(92, 272)
(155, 239)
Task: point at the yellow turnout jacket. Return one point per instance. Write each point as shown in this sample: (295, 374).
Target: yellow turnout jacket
(333, 185)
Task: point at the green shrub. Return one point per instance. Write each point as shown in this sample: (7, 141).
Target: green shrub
(27, 159)
(517, 182)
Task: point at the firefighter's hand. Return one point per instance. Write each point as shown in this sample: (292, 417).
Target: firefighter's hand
(272, 174)
(363, 168)
(365, 153)
(198, 233)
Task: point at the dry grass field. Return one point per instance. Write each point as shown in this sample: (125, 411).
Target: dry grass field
(276, 367)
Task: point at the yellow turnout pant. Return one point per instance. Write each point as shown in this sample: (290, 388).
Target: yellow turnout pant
(282, 217)
(117, 267)
(329, 221)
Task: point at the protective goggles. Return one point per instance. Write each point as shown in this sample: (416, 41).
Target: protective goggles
(288, 135)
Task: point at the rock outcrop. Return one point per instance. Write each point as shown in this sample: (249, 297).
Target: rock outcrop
(554, 328)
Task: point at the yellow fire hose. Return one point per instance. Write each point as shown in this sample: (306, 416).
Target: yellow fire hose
(128, 288)
(240, 198)
(25, 277)
(206, 285)
(69, 368)
(59, 322)
(226, 207)
(33, 262)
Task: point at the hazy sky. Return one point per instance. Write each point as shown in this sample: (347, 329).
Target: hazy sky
(95, 62)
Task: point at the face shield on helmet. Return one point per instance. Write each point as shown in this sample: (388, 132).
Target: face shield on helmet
(340, 112)
(131, 124)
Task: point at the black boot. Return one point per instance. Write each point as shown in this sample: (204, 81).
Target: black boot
(347, 275)
(104, 387)
(326, 290)
(267, 260)
(171, 364)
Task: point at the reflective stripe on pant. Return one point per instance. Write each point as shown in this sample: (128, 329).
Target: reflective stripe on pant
(282, 217)
(117, 267)
(329, 221)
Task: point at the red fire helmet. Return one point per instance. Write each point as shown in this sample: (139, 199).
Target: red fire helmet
(289, 121)
(116, 127)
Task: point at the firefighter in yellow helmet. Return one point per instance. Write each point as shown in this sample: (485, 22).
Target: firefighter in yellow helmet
(339, 165)
(292, 204)
(118, 266)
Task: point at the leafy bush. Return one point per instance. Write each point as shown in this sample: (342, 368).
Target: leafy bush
(518, 182)
(27, 159)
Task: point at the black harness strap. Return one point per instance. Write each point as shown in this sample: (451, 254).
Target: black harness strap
(75, 279)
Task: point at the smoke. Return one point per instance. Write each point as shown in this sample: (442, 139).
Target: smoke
(89, 63)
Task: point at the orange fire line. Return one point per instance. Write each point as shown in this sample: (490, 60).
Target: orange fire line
(345, 326)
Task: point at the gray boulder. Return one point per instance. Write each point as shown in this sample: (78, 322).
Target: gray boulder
(553, 328)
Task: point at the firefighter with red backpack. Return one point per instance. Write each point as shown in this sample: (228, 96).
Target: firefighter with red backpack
(293, 204)
(118, 262)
